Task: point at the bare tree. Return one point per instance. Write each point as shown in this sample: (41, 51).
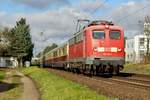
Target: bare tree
(147, 33)
(4, 41)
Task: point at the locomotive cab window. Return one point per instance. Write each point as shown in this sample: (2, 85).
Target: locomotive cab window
(98, 34)
(115, 35)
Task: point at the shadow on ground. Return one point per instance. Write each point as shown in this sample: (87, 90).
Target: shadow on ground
(121, 74)
(16, 76)
(7, 86)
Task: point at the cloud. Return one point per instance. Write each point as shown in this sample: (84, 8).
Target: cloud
(92, 6)
(57, 26)
(128, 16)
(42, 3)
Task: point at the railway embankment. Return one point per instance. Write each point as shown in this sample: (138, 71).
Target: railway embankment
(124, 87)
(137, 68)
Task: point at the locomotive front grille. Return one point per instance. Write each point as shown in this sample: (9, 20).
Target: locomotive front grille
(109, 61)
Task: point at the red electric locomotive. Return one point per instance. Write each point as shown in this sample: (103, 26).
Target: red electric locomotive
(98, 48)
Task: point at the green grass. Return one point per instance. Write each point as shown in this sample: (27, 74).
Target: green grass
(137, 68)
(53, 87)
(15, 92)
(2, 75)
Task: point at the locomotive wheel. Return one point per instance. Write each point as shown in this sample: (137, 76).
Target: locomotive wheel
(103, 69)
(78, 71)
(111, 70)
(93, 70)
(83, 68)
(107, 69)
(116, 70)
(97, 70)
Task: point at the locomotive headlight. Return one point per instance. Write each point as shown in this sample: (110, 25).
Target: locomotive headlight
(119, 49)
(113, 49)
(95, 48)
(99, 49)
(107, 26)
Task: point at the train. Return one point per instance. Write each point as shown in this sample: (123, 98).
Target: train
(97, 48)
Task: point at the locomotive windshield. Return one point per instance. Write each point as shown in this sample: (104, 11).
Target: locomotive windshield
(114, 35)
(98, 34)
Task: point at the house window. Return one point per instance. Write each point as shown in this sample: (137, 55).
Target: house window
(141, 54)
(141, 41)
(132, 45)
(128, 56)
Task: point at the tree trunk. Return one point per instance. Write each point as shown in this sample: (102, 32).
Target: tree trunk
(20, 62)
(147, 53)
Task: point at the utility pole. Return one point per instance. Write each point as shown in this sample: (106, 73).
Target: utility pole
(42, 52)
(147, 33)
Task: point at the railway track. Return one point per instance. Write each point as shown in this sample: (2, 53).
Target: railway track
(145, 84)
(124, 87)
(134, 79)
(131, 82)
(130, 79)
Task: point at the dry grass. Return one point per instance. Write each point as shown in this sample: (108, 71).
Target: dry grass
(137, 68)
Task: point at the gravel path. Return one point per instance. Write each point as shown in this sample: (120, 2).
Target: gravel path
(30, 92)
(111, 89)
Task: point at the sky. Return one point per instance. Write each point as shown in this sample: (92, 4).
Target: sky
(57, 19)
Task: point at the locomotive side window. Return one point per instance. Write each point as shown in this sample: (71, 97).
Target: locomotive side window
(72, 41)
(98, 34)
(79, 38)
(114, 35)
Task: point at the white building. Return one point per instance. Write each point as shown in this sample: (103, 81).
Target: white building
(10, 62)
(136, 48)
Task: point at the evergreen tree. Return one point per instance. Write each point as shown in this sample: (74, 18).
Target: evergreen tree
(21, 45)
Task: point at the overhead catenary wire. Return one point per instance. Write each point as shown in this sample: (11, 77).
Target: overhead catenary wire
(100, 6)
(125, 17)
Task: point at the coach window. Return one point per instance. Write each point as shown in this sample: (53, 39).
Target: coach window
(72, 41)
(114, 35)
(98, 34)
(55, 53)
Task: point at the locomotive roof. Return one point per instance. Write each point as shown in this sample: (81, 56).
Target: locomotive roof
(94, 23)
(100, 22)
